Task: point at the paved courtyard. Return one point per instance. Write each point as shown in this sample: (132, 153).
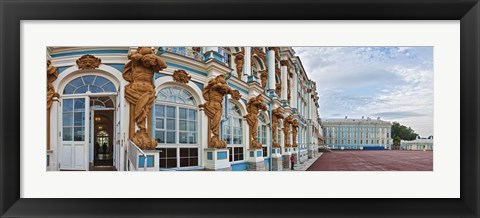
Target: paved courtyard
(374, 161)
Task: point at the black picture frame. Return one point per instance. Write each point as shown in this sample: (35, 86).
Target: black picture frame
(13, 11)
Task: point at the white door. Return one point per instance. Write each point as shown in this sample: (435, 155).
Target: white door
(75, 134)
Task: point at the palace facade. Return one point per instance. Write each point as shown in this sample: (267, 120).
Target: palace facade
(361, 134)
(179, 108)
(419, 144)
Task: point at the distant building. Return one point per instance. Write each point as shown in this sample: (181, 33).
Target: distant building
(418, 144)
(361, 134)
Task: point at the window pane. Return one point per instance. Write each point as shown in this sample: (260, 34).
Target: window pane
(192, 138)
(194, 152)
(100, 81)
(192, 126)
(163, 152)
(182, 113)
(95, 89)
(182, 125)
(109, 87)
(171, 112)
(160, 124)
(68, 134)
(170, 124)
(79, 104)
(159, 110)
(77, 82)
(230, 155)
(184, 162)
(171, 152)
(182, 137)
(194, 161)
(79, 119)
(67, 105)
(183, 152)
(171, 163)
(192, 115)
(67, 119)
(79, 134)
(160, 135)
(170, 137)
(82, 89)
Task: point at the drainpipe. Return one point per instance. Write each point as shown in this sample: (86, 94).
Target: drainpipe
(271, 134)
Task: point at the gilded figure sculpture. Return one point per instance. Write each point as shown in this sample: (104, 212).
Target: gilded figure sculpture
(213, 94)
(239, 59)
(286, 128)
(278, 89)
(52, 75)
(276, 115)
(264, 77)
(294, 132)
(254, 105)
(181, 76)
(140, 93)
(288, 89)
(88, 62)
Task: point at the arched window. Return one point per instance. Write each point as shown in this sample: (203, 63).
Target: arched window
(262, 133)
(91, 83)
(176, 127)
(233, 133)
(101, 102)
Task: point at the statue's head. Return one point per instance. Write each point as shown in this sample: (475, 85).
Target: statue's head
(220, 79)
(149, 60)
(144, 50)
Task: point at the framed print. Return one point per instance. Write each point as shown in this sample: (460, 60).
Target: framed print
(323, 106)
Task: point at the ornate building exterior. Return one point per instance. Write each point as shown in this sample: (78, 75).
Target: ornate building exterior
(361, 134)
(179, 108)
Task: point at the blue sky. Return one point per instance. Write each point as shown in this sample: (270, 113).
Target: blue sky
(393, 83)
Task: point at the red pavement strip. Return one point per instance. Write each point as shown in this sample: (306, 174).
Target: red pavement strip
(387, 160)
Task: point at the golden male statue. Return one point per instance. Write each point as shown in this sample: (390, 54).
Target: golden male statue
(239, 60)
(213, 94)
(294, 133)
(52, 75)
(286, 128)
(276, 115)
(140, 93)
(254, 105)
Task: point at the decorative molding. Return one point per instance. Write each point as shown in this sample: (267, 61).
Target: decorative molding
(88, 62)
(181, 76)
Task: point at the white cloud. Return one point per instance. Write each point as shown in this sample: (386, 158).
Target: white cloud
(396, 82)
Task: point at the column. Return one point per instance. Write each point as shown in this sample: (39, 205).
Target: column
(284, 77)
(271, 70)
(247, 65)
(294, 92)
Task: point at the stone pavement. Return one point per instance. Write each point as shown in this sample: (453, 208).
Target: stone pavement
(387, 160)
(305, 165)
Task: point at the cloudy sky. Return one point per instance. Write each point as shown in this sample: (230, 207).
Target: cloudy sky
(393, 83)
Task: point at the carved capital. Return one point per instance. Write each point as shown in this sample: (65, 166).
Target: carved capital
(181, 76)
(284, 63)
(88, 62)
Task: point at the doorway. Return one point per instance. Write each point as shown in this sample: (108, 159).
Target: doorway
(103, 141)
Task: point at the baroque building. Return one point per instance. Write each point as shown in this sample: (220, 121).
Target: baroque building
(360, 134)
(179, 108)
(419, 144)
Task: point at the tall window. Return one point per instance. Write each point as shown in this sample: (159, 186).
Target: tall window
(233, 133)
(176, 127)
(262, 133)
